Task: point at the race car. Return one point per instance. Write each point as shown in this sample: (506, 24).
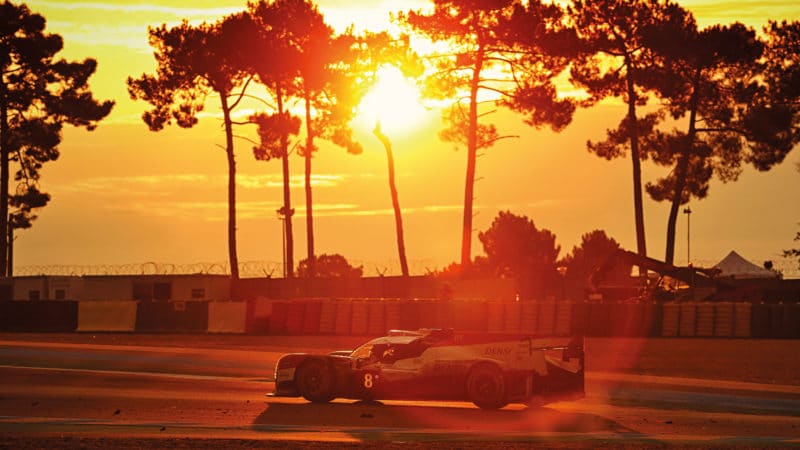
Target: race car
(490, 370)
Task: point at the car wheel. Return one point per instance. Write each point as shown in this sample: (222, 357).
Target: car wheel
(486, 386)
(315, 381)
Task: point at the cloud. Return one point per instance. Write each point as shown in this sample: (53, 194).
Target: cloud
(121, 24)
(155, 9)
(130, 185)
(218, 211)
(130, 36)
(752, 12)
(355, 211)
(144, 184)
(200, 210)
(295, 181)
(441, 208)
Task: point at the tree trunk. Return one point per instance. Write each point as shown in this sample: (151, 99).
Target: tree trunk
(309, 211)
(233, 258)
(681, 172)
(680, 184)
(638, 203)
(472, 152)
(287, 212)
(10, 249)
(4, 180)
(398, 218)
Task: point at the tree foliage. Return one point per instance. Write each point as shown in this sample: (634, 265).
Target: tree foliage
(515, 247)
(300, 53)
(779, 100)
(595, 249)
(329, 266)
(193, 61)
(272, 130)
(39, 93)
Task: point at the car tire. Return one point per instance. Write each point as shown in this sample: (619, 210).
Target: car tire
(315, 381)
(486, 386)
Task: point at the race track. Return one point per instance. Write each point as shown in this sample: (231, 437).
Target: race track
(79, 394)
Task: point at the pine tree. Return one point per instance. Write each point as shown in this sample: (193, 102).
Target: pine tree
(38, 95)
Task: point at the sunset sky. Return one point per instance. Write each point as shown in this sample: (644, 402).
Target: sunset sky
(125, 195)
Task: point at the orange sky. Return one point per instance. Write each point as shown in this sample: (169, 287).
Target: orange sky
(125, 195)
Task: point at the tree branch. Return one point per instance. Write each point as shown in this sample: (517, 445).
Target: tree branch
(259, 99)
(499, 91)
(242, 94)
(487, 113)
(245, 138)
(12, 70)
(721, 130)
(492, 141)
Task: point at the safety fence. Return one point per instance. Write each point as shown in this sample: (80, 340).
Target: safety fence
(372, 317)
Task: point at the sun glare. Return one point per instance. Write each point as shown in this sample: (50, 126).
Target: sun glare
(394, 101)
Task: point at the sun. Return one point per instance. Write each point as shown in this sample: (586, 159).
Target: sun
(393, 101)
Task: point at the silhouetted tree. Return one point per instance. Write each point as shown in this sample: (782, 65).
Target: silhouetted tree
(271, 51)
(782, 74)
(398, 216)
(615, 62)
(194, 61)
(594, 250)
(323, 82)
(38, 95)
(376, 51)
(274, 131)
(294, 54)
(510, 49)
(329, 266)
(515, 248)
(711, 78)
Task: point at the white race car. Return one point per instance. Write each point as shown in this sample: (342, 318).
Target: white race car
(491, 370)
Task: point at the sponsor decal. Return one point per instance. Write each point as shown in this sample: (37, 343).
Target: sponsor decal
(497, 351)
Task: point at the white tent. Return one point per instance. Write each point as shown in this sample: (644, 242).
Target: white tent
(734, 265)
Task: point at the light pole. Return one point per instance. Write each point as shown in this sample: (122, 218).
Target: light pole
(688, 212)
(562, 271)
(283, 214)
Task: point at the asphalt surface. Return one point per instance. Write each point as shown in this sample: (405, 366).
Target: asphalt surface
(116, 395)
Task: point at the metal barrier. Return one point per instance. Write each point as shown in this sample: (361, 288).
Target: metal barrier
(344, 317)
(359, 321)
(376, 316)
(742, 319)
(312, 318)
(704, 322)
(688, 320)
